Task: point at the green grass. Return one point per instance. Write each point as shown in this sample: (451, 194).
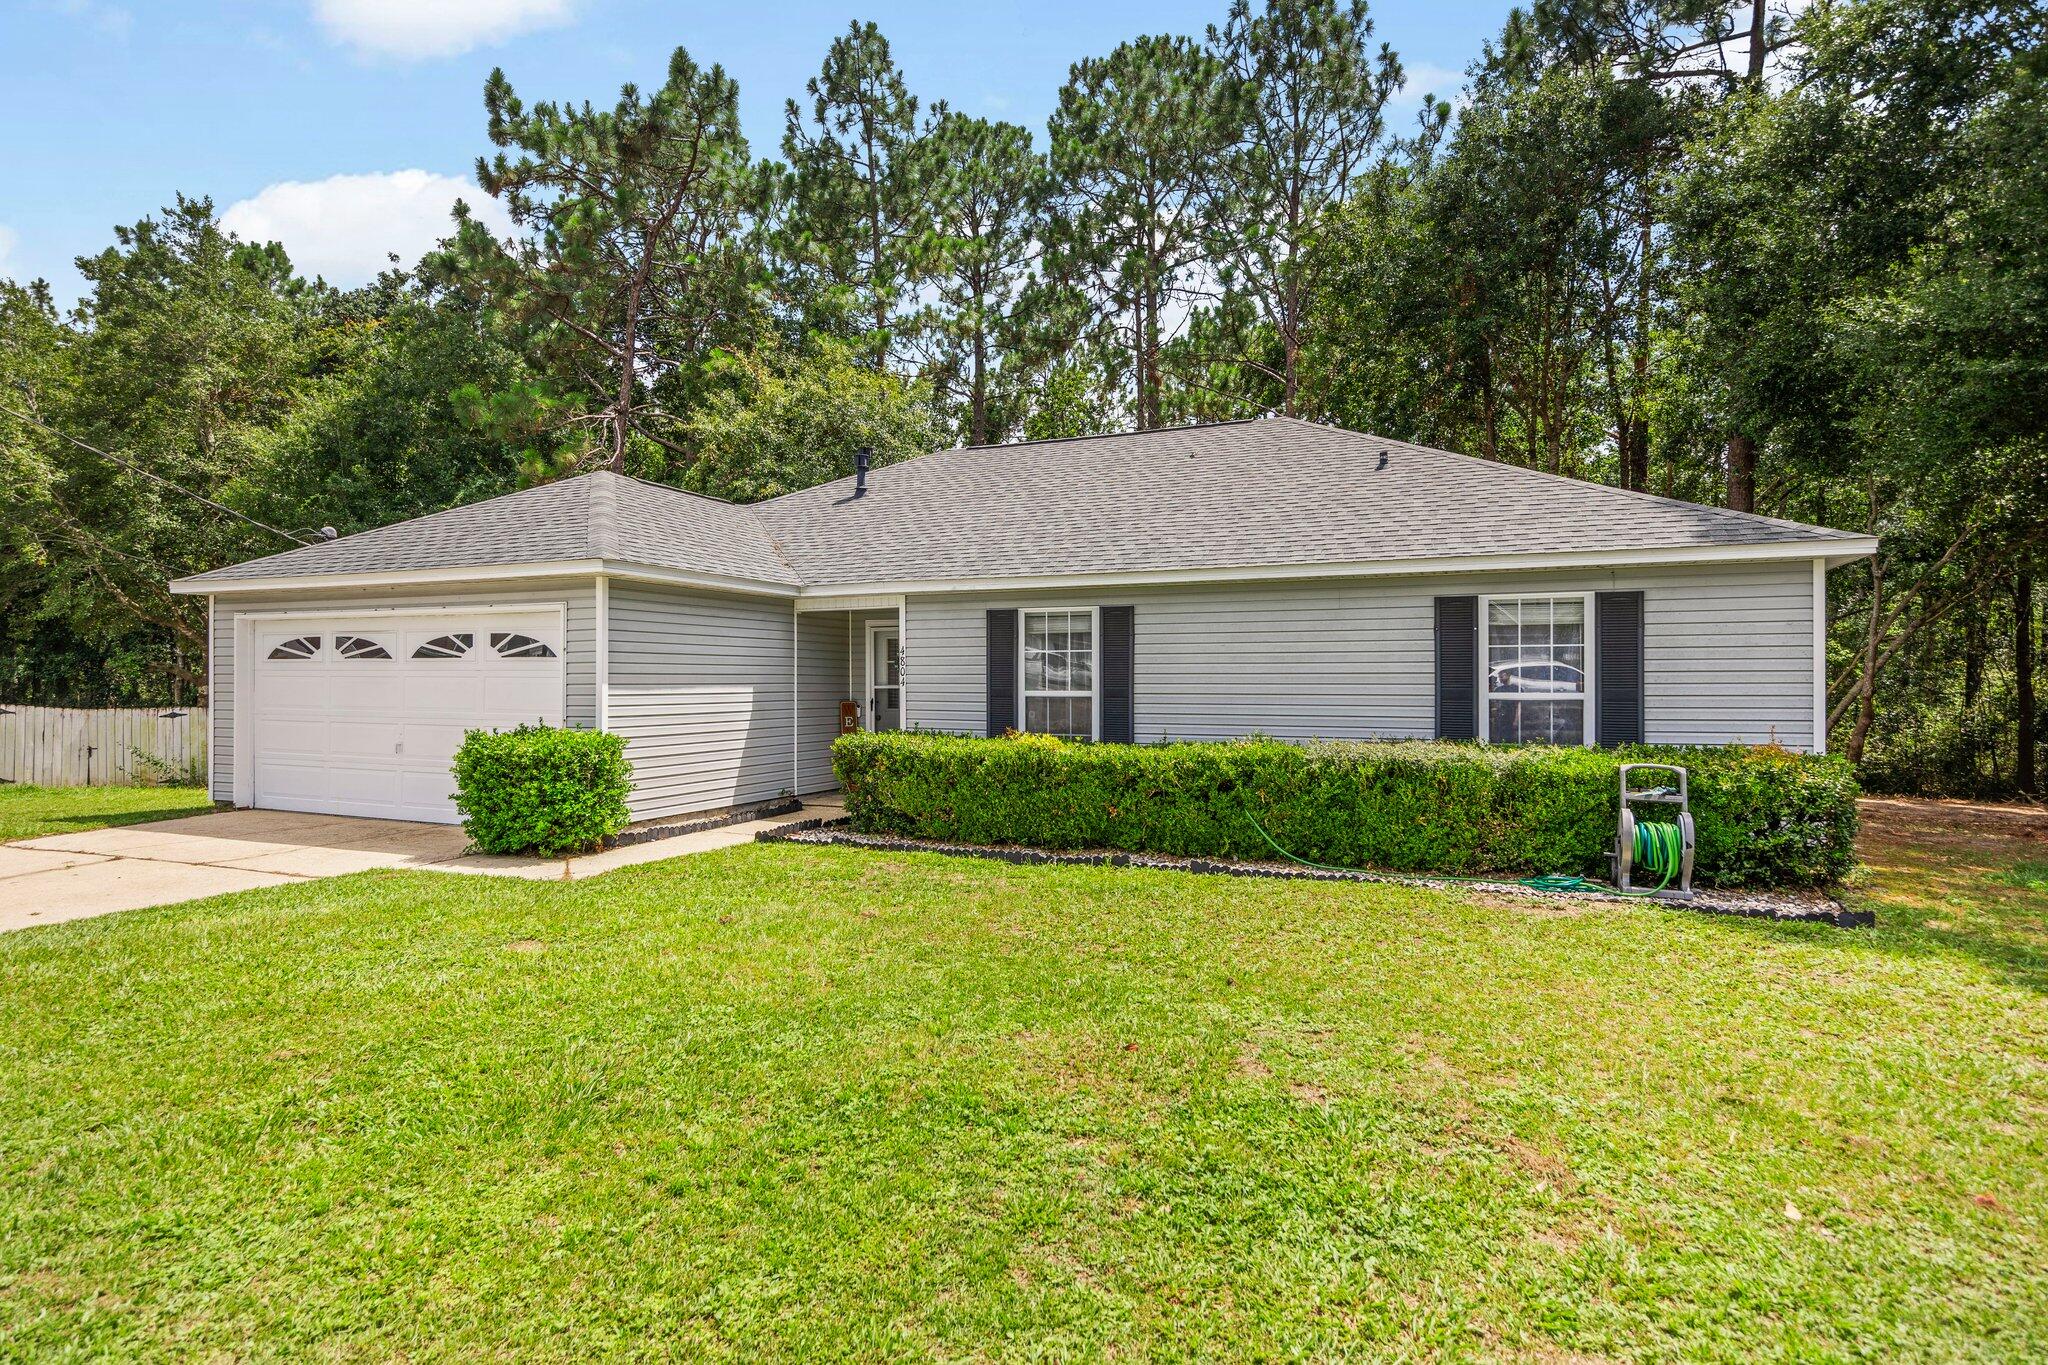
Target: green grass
(789, 1103)
(30, 812)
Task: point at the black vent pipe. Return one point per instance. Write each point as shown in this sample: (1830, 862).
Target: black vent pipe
(862, 458)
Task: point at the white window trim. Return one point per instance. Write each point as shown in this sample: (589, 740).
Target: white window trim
(1487, 695)
(1094, 693)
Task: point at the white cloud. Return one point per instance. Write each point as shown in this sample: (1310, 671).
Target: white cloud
(1424, 78)
(7, 241)
(342, 228)
(414, 29)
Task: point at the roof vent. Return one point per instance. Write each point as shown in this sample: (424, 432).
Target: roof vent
(862, 458)
(1383, 461)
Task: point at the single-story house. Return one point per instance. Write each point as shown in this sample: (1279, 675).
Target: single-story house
(1206, 582)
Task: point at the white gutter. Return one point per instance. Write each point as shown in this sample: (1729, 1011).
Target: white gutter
(1837, 551)
(834, 597)
(482, 573)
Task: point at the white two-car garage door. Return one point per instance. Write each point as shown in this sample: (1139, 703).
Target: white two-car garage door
(361, 715)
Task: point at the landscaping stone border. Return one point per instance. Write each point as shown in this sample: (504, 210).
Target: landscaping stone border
(651, 830)
(1802, 907)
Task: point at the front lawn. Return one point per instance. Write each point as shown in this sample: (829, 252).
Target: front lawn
(787, 1103)
(31, 812)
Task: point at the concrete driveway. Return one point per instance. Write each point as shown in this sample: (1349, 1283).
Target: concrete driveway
(71, 876)
(99, 871)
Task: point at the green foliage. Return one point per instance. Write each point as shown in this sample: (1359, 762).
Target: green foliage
(634, 262)
(540, 789)
(1764, 816)
(984, 190)
(1134, 145)
(854, 210)
(792, 421)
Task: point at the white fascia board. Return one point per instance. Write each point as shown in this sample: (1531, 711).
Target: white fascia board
(1839, 551)
(838, 601)
(482, 574)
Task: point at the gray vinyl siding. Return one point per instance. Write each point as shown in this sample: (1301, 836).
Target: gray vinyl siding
(1728, 654)
(699, 686)
(579, 656)
(821, 685)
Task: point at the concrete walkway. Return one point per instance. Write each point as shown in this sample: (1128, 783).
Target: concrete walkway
(97, 872)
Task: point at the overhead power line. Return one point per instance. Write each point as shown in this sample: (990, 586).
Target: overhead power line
(134, 468)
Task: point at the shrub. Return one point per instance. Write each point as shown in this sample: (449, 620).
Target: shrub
(538, 789)
(1764, 816)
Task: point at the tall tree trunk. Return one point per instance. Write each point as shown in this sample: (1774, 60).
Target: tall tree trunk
(1635, 454)
(977, 419)
(1742, 473)
(2027, 773)
(1153, 383)
(1866, 683)
(1973, 657)
(1759, 23)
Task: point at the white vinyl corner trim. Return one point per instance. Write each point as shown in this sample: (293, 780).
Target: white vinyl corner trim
(603, 670)
(1820, 656)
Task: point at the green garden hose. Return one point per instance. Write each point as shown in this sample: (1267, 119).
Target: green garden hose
(1659, 846)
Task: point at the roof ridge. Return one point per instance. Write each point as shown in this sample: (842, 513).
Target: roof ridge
(1728, 513)
(1041, 441)
(601, 514)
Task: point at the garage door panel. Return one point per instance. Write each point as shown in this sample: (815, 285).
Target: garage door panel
(377, 737)
(283, 778)
(525, 698)
(423, 790)
(377, 786)
(453, 692)
(426, 739)
(279, 737)
(365, 738)
(301, 691)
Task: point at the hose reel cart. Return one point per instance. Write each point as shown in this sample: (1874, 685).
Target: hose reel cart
(1646, 849)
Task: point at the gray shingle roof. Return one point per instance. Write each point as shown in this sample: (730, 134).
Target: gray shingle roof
(595, 516)
(1231, 495)
(1237, 494)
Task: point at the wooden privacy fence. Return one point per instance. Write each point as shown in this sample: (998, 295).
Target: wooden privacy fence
(55, 746)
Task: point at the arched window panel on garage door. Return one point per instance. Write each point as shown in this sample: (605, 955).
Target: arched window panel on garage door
(514, 646)
(445, 647)
(300, 647)
(359, 647)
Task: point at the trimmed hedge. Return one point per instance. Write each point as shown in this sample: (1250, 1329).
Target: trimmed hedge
(539, 789)
(1764, 816)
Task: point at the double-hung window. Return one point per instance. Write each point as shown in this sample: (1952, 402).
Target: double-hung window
(1059, 672)
(1536, 670)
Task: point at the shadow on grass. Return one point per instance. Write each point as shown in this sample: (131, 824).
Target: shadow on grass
(1949, 879)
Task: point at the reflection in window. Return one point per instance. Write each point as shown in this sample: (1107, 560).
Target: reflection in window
(304, 647)
(519, 646)
(445, 647)
(1059, 673)
(1536, 670)
(359, 647)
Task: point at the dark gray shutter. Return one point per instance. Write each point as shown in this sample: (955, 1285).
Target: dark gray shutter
(1618, 667)
(1002, 671)
(1457, 668)
(1115, 653)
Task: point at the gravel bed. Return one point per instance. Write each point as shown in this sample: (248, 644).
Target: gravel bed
(1813, 907)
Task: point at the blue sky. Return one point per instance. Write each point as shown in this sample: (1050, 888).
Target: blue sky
(344, 127)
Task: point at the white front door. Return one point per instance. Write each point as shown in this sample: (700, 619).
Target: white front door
(361, 715)
(885, 666)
